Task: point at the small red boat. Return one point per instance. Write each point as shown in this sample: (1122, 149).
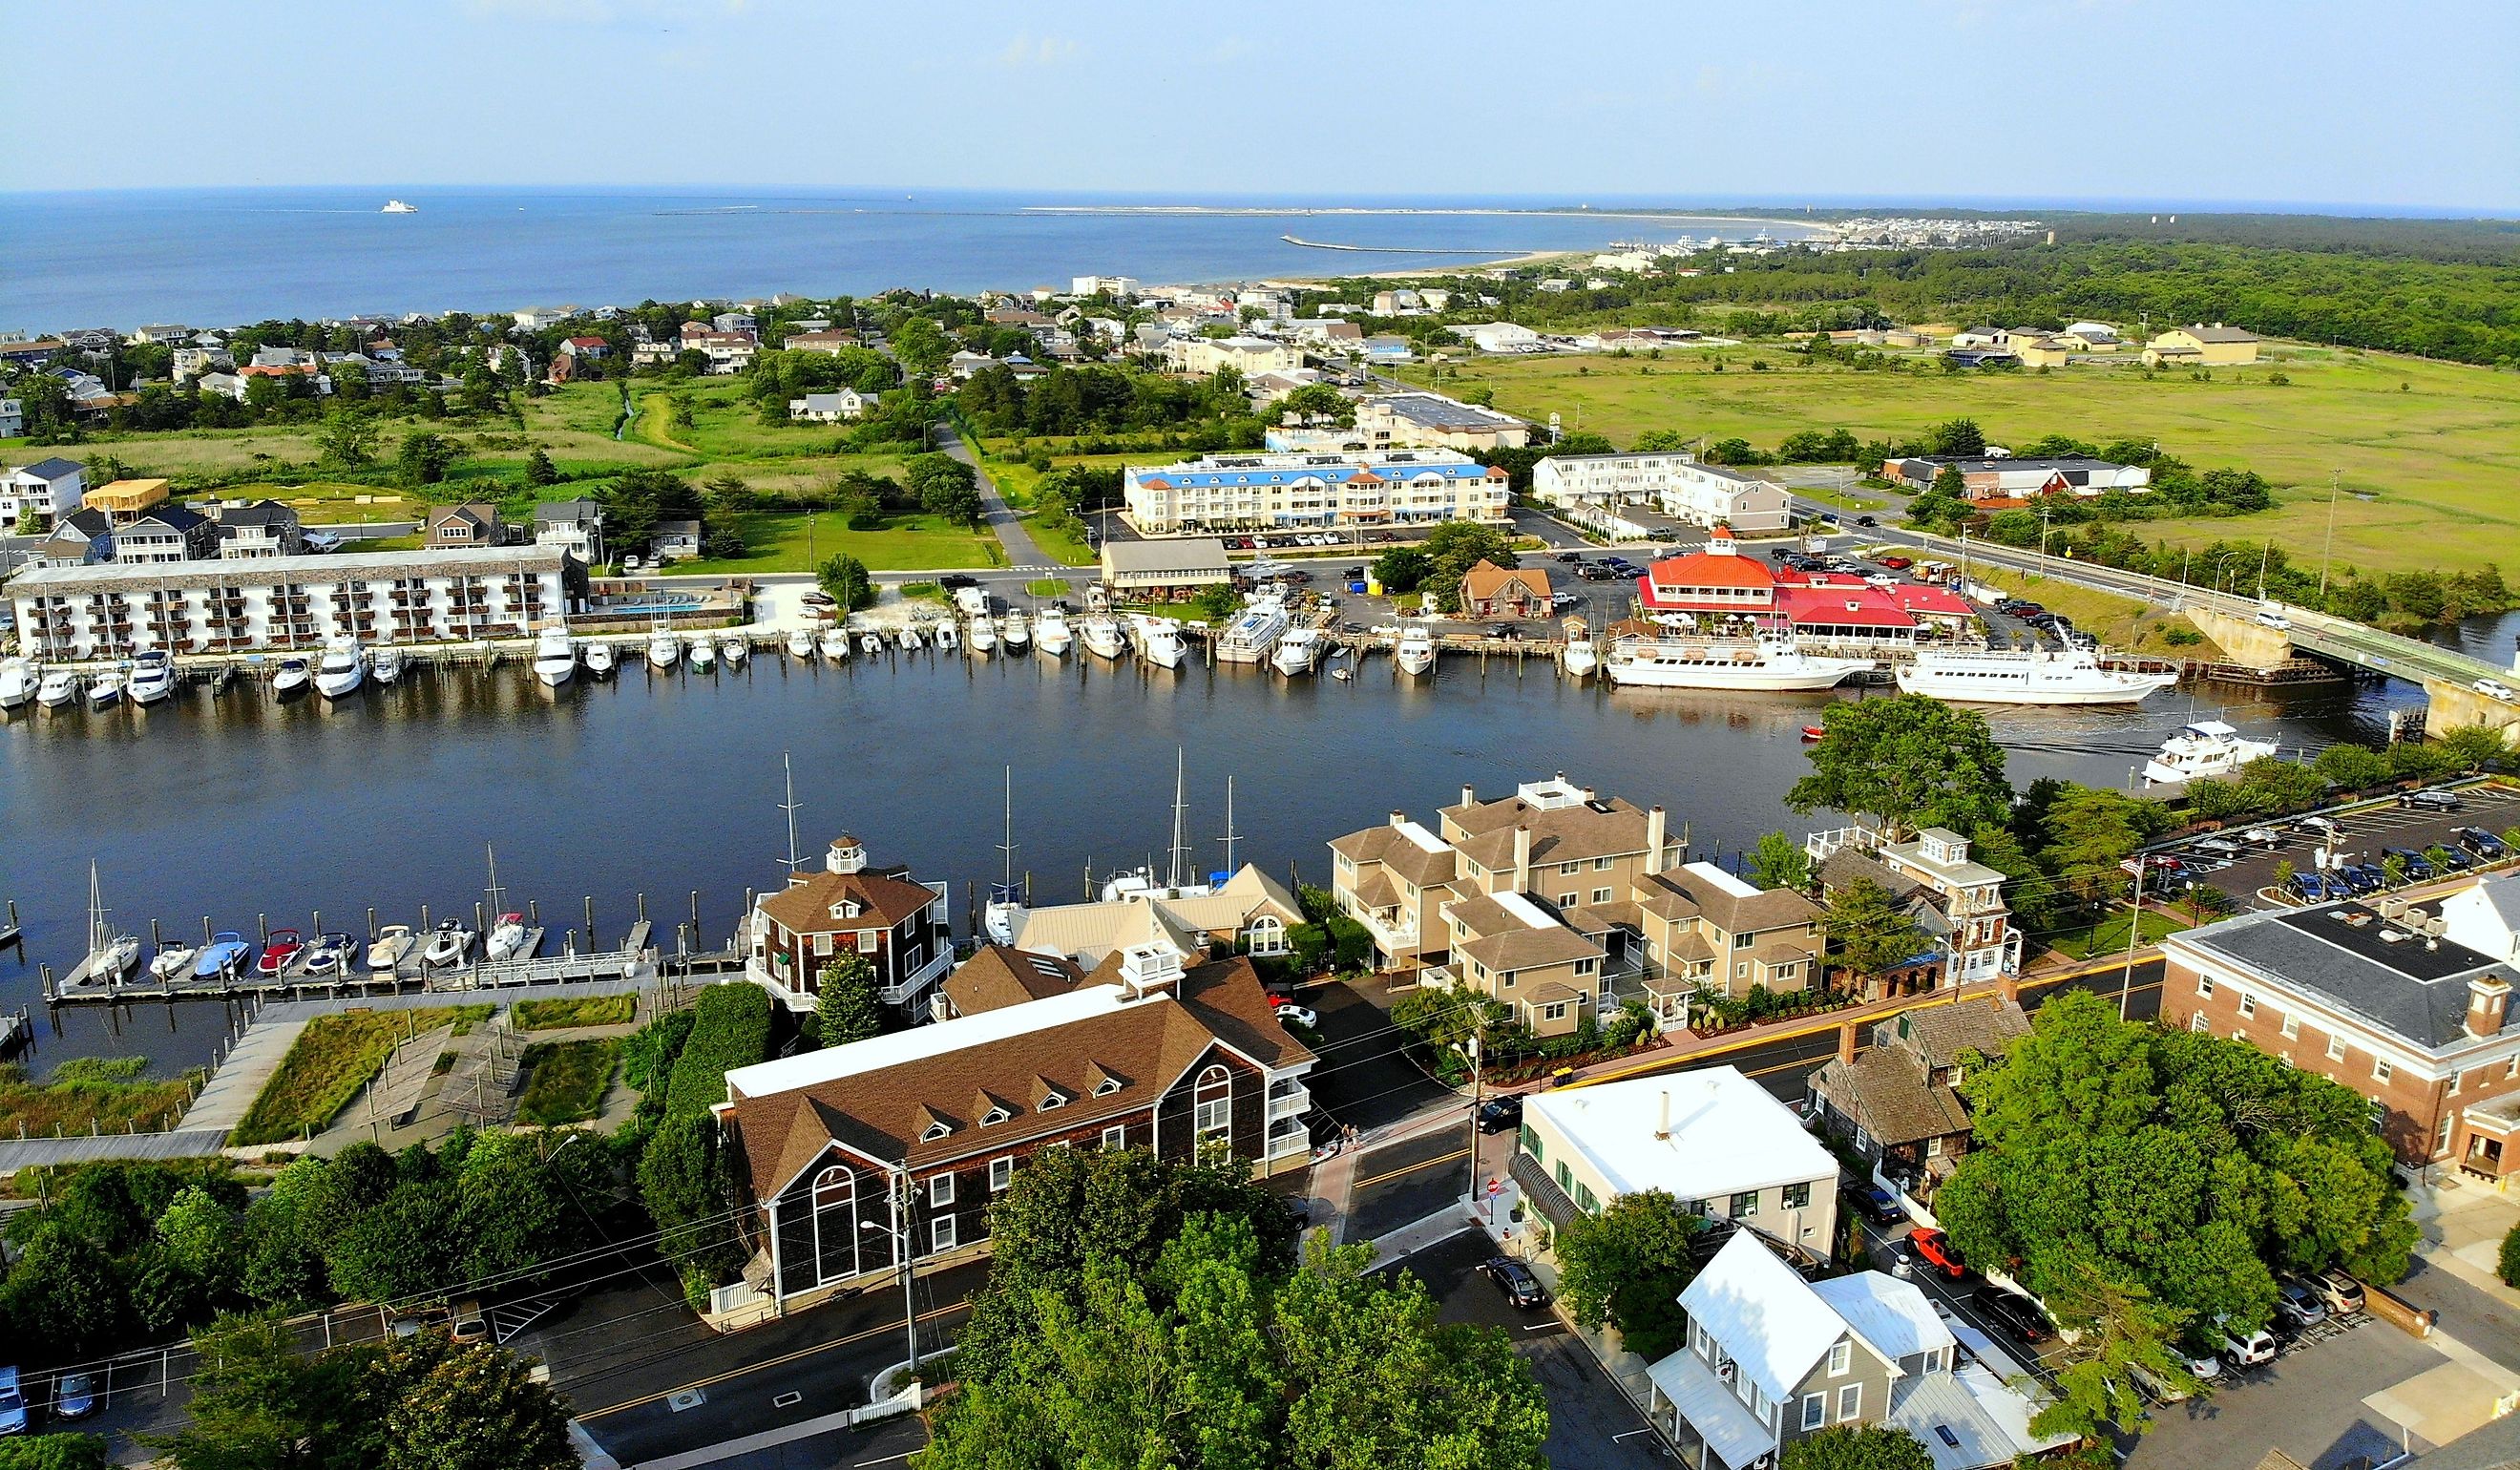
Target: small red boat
(1812, 731)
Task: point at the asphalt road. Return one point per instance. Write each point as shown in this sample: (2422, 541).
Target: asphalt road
(1363, 1079)
(1400, 1184)
(1592, 1425)
(889, 1443)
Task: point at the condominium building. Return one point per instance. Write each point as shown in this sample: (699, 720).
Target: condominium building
(1673, 483)
(1265, 491)
(108, 609)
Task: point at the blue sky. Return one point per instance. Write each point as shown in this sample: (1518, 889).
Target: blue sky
(2398, 105)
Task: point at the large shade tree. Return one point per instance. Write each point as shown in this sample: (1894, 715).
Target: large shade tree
(1907, 762)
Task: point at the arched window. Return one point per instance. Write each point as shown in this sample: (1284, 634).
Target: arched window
(1267, 935)
(1213, 1111)
(835, 1223)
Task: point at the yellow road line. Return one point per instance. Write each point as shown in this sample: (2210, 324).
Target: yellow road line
(1457, 1153)
(755, 1367)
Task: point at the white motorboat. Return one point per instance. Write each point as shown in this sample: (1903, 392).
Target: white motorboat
(703, 653)
(870, 641)
(734, 650)
(1015, 633)
(983, 637)
(1101, 632)
(2024, 676)
(599, 659)
(385, 665)
(555, 659)
(664, 650)
(397, 206)
(58, 687)
(2203, 748)
(291, 679)
(1767, 662)
(344, 667)
(800, 643)
(947, 636)
(1299, 648)
(173, 961)
(1416, 650)
(507, 938)
(971, 601)
(153, 677)
(104, 691)
(448, 946)
(836, 645)
(17, 680)
(1580, 659)
(1255, 630)
(1051, 635)
(393, 944)
(1159, 641)
(910, 639)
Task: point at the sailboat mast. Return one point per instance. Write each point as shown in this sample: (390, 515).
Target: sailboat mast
(787, 765)
(496, 894)
(1228, 824)
(1008, 847)
(1174, 858)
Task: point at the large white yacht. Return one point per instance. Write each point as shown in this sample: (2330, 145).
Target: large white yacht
(2203, 748)
(343, 669)
(664, 650)
(1159, 641)
(17, 680)
(1768, 661)
(1297, 650)
(1416, 650)
(2024, 676)
(1255, 630)
(153, 677)
(1015, 632)
(555, 659)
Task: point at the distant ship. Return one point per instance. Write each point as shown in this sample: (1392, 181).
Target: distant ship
(397, 206)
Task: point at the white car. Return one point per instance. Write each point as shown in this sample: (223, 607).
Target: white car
(1299, 1016)
(2268, 617)
(2245, 1348)
(2493, 689)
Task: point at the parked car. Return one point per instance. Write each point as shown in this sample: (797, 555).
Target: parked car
(1297, 1015)
(1498, 1114)
(12, 1405)
(1898, 563)
(2245, 1346)
(2263, 836)
(2359, 878)
(2486, 847)
(2451, 857)
(1571, 558)
(1515, 1281)
(2341, 1292)
(956, 581)
(2156, 1388)
(2016, 1314)
(1866, 521)
(2310, 888)
(2430, 799)
(2414, 864)
(2298, 1303)
(2318, 826)
(74, 1396)
(1937, 1251)
(1876, 1205)
(2493, 688)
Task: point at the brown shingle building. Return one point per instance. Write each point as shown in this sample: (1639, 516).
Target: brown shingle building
(1899, 1102)
(900, 925)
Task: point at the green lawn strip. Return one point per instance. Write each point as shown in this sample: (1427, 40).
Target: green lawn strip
(2109, 935)
(779, 541)
(1838, 498)
(334, 1057)
(91, 1093)
(921, 591)
(575, 1010)
(565, 1081)
(1049, 587)
(1063, 545)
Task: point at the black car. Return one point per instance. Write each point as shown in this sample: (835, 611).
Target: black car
(955, 581)
(1498, 1114)
(1515, 1281)
(1875, 1204)
(1866, 521)
(2017, 1315)
(1570, 558)
(2484, 844)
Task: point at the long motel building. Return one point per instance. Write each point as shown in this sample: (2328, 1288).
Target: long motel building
(109, 610)
(1272, 491)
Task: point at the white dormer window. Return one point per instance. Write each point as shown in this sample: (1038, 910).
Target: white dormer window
(994, 1116)
(1050, 1101)
(845, 908)
(935, 1131)
(1107, 1087)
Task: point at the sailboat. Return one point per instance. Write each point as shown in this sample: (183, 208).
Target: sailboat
(111, 955)
(1006, 910)
(1140, 882)
(507, 931)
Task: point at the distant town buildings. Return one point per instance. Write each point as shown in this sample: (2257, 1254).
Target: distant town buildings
(1409, 420)
(1672, 484)
(2202, 347)
(1267, 491)
(1984, 478)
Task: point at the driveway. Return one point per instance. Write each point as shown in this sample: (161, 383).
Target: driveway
(1023, 551)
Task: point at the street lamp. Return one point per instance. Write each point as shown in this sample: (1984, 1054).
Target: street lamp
(899, 1231)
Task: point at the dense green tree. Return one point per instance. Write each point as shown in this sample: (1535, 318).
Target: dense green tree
(54, 1451)
(1628, 1266)
(945, 486)
(2472, 748)
(469, 1406)
(845, 1004)
(1867, 932)
(1956, 436)
(1318, 402)
(843, 579)
(1402, 569)
(2506, 1262)
(65, 1293)
(2089, 831)
(1857, 1446)
(921, 347)
(539, 468)
(1907, 762)
(1451, 549)
(349, 437)
(425, 457)
(2350, 767)
(201, 1233)
(1778, 861)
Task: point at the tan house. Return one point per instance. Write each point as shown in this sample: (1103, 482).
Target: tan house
(2201, 345)
(1706, 930)
(1393, 880)
(474, 525)
(1492, 591)
(2042, 351)
(1508, 948)
(126, 501)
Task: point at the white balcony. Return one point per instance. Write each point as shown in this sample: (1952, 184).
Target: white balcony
(918, 980)
(1288, 1099)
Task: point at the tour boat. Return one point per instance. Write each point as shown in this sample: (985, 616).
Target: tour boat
(947, 636)
(173, 961)
(17, 680)
(1051, 635)
(1296, 651)
(599, 659)
(2024, 676)
(664, 650)
(981, 637)
(397, 206)
(800, 643)
(343, 669)
(870, 641)
(58, 688)
(507, 938)
(1014, 632)
(153, 677)
(1159, 641)
(1255, 630)
(703, 653)
(291, 679)
(391, 945)
(834, 643)
(1416, 650)
(1101, 632)
(385, 665)
(554, 659)
(734, 650)
(223, 957)
(104, 691)
(2206, 747)
(1767, 662)
(448, 946)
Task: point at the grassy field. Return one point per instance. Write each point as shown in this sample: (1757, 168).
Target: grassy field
(1049, 587)
(779, 541)
(2120, 623)
(91, 1093)
(334, 1057)
(576, 1010)
(565, 1081)
(2109, 935)
(2434, 446)
(1016, 480)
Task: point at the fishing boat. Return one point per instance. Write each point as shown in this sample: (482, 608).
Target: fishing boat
(1051, 635)
(1101, 632)
(870, 641)
(555, 659)
(385, 665)
(1416, 650)
(946, 634)
(173, 961)
(291, 679)
(703, 653)
(734, 650)
(111, 952)
(58, 687)
(17, 680)
(1579, 658)
(223, 957)
(391, 948)
(343, 669)
(1255, 630)
(2024, 676)
(983, 637)
(834, 643)
(599, 659)
(1159, 641)
(153, 677)
(1297, 650)
(397, 206)
(2200, 749)
(104, 691)
(800, 643)
(1764, 661)
(1015, 632)
(910, 639)
(664, 650)
(448, 946)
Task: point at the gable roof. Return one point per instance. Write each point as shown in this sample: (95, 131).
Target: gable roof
(1699, 890)
(1405, 847)
(1883, 1092)
(1985, 1024)
(999, 975)
(52, 469)
(1485, 579)
(262, 512)
(1558, 834)
(1773, 1324)
(1891, 1315)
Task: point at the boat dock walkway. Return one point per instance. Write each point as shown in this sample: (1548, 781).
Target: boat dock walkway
(239, 1079)
(629, 965)
(181, 1143)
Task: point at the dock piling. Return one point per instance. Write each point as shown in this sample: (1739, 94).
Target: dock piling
(696, 919)
(590, 920)
(315, 921)
(372, 925)
(206, 928)
(533, 913)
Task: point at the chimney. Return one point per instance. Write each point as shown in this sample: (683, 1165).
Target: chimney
(1469, 795)
(1399, 818)
(2488, 998)
(1657, 832)
(1662, 1124)
(1590, 795)
(1521, 858)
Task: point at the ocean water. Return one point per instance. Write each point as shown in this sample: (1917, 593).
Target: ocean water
(216, 257)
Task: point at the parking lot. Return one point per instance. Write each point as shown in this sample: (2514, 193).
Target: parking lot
(2357, 836)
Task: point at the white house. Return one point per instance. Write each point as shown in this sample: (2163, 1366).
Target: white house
(1500, 337)
(1673, 483)
(1118, 288)
(1247, 355)
(13, 417)
(832, 408)
(1414, 486)
(49, 488)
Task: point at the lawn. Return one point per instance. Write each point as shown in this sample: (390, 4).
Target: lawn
(782, 541)
(2121, 624)
(1016, 480)
(1049, 587)
(334, 1057)
(91, 1093)
(2109, 935)
(2434, 445)
(565, 1081)
(576, 1010)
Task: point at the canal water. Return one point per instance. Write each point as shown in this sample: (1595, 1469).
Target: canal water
(240, 809)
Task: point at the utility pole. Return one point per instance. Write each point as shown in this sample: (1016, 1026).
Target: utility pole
(1478, 1029)
(2335, 482)
(2135, 931)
